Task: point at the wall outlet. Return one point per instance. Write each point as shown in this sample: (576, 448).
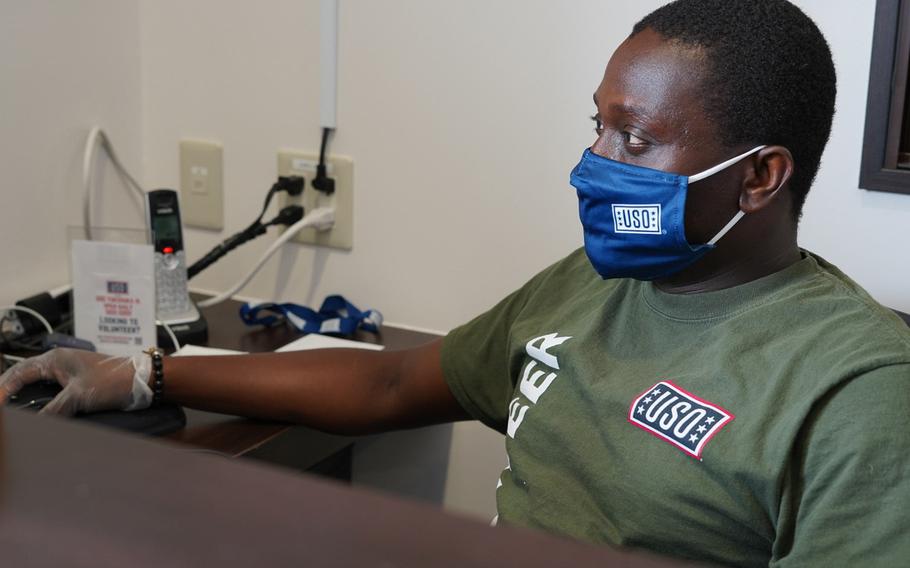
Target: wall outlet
(201, 187)
(341, 168)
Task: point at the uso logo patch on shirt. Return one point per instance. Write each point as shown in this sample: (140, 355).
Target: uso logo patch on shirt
(679, 417)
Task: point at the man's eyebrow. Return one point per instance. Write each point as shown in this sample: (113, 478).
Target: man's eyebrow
(630, 110)
(624, 109)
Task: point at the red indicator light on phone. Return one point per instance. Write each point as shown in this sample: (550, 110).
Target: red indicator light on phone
(168, 250)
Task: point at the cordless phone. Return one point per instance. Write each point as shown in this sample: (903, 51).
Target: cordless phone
(173, 304)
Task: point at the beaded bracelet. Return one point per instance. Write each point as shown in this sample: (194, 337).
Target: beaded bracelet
(157, 356)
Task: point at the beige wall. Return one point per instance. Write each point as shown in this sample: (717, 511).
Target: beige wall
(463, 119)
(863, 232)
(64, 66)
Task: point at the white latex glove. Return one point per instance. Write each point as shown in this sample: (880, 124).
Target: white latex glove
(91, 381)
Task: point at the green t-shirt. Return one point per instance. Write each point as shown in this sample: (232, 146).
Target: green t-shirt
(768, 423)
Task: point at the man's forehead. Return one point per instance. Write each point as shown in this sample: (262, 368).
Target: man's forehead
(648, 59)
(655, 79)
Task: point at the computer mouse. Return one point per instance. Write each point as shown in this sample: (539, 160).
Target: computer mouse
(35, 396)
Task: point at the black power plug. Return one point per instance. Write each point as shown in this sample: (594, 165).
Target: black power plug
(322, 182)
(292, 184)
(288, 216)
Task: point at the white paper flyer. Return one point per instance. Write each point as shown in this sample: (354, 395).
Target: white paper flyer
(114, 296)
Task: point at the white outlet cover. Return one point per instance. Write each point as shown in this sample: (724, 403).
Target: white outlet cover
(201, 184)
(341, 168)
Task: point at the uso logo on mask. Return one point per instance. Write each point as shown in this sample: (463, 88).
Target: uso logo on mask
(636, 219)
(679, 417)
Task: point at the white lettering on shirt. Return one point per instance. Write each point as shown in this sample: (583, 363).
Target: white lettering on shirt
(516, 416)
(529, 385)
(546, 342)
(534, 383)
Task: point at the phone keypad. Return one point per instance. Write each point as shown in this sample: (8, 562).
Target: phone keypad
(170, 285)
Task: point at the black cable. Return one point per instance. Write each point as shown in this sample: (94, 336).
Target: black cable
(291, 184)
(65, 325)
(322, 182)
(287, 216)
(225, 247)
(268, 200)
(34, 341)
(31, 344)
(325, 142)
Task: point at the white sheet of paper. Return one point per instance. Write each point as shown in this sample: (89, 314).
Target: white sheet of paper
(114, 296)
(316, 341)
(195, 350)
(312, 341)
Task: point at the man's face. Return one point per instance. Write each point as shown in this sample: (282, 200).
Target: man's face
(649, 113)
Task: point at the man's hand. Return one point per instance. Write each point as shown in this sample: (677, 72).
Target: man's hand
(91, 382)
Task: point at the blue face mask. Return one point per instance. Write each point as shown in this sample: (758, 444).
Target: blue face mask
(634, 217)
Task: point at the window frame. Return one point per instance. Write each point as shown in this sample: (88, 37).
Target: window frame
(885, 105)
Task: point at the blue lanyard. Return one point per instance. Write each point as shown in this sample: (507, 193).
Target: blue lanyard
(336, 316)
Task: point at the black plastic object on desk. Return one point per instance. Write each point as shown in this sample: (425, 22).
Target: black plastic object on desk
(157, 420)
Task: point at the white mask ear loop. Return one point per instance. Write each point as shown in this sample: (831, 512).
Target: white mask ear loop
(710, 172)
(723, 165)
(739, 215)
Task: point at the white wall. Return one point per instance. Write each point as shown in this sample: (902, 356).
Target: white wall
(64, 66)
(463, 119)
(865, 233)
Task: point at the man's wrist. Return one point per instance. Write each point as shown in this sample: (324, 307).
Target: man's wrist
(156, 375)
(141, 394)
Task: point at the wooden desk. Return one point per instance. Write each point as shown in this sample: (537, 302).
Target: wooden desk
(77, 495)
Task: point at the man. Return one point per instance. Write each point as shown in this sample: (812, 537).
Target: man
(691, 382)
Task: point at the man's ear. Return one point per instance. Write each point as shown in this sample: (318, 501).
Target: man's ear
(766, 178)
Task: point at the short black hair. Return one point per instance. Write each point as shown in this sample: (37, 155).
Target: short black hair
(770, 76)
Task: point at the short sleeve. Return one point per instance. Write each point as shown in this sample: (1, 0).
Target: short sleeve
(847, 501)
(475, 361)
(476, 357)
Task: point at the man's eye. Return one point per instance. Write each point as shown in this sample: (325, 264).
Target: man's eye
(598, 125)
(633, 140)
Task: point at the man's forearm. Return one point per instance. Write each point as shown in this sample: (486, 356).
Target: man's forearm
(350, 391)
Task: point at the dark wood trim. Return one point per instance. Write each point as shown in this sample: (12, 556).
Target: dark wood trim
(901, 55)
(875, 173)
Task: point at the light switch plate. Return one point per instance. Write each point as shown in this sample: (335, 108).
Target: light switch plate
(201, 188)
(341, 168)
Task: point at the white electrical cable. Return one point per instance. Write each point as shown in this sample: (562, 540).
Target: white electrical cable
(88, 172)
(320, 218)
(31, 312)
(50, 328)
(170, 333)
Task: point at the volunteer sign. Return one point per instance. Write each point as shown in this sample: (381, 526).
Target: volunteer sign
(114, 296)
